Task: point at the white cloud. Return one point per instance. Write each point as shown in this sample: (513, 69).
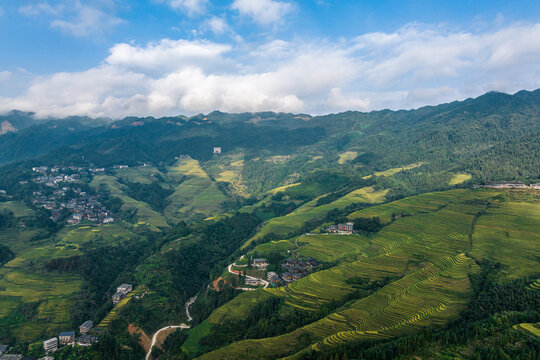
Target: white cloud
(192, 7)
(75, 17)
(41, 8)
(218, 25)
(414, 66)
(4, 75)
(262, 11)
(167, 55)
(88, 21)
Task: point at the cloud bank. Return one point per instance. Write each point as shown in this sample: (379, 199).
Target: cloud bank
(414, 66)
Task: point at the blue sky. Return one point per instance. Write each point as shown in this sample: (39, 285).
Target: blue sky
(163, 57)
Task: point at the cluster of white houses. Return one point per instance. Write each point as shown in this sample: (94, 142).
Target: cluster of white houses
(68, 338)
(51, 345)
(121, 292)
(508, 185)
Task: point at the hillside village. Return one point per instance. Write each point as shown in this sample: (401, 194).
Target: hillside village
(86, 334)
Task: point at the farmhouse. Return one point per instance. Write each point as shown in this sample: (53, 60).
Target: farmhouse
(86, 340)
(66, 337)
(345, 228)
(121, 291)
(273, 277)
(86, 326)
(260, 264)
(253, 281)
(117, 297)
(50, 345)
(11, 357)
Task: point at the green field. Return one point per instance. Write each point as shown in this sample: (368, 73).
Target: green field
(197, 196)
(48, 295)
(145, 213)
(23, 285)
(459, 178)
(17, 208)
(282, 226)
(430, 254)
(347, 156)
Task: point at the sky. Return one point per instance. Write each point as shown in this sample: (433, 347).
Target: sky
(117, 58)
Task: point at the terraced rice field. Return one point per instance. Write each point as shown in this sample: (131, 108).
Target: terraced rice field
(104, 324)
(283, 225)
(145, 213)
(393, 171)
(529, 328)
(197, 194)
(429, 252)
(347, 156)
(459, 178)
(50, 295)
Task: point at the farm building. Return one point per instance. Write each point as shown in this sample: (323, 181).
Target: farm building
(86, 326)
(86, 340)
(121, 291)
(273, 277)
(66, 337)
(11, 357)
(345, 228)
(260, 264)
(50, 345)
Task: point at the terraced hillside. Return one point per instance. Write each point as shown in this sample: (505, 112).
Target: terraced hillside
(34, 302)
(282, 226)
(196, 195)
(145, 214)
(428, 250)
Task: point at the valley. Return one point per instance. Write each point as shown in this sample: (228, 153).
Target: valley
(301, 238)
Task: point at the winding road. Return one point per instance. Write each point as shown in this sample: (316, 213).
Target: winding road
(237, 273)
(188, 304)
(154, 338)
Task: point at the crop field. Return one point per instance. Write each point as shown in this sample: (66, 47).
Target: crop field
(281, 188)
(347, 156)
(17, 208)
(459, 178)
(104, 324)
(508, 233)
(50, 295)
(426, 255)
(529, 328)
(196, 195)
(394, 171)
(99, 235)
(144, 212)
(283, 225)
(140, 174)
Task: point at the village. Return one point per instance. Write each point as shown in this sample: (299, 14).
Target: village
(68, 338)
(66, 196)
(508, 185)
(289, 271)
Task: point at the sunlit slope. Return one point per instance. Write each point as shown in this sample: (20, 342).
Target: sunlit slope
(36, 304)
(145, 213)
(196, 195)
(428, 251)
(282, 226)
